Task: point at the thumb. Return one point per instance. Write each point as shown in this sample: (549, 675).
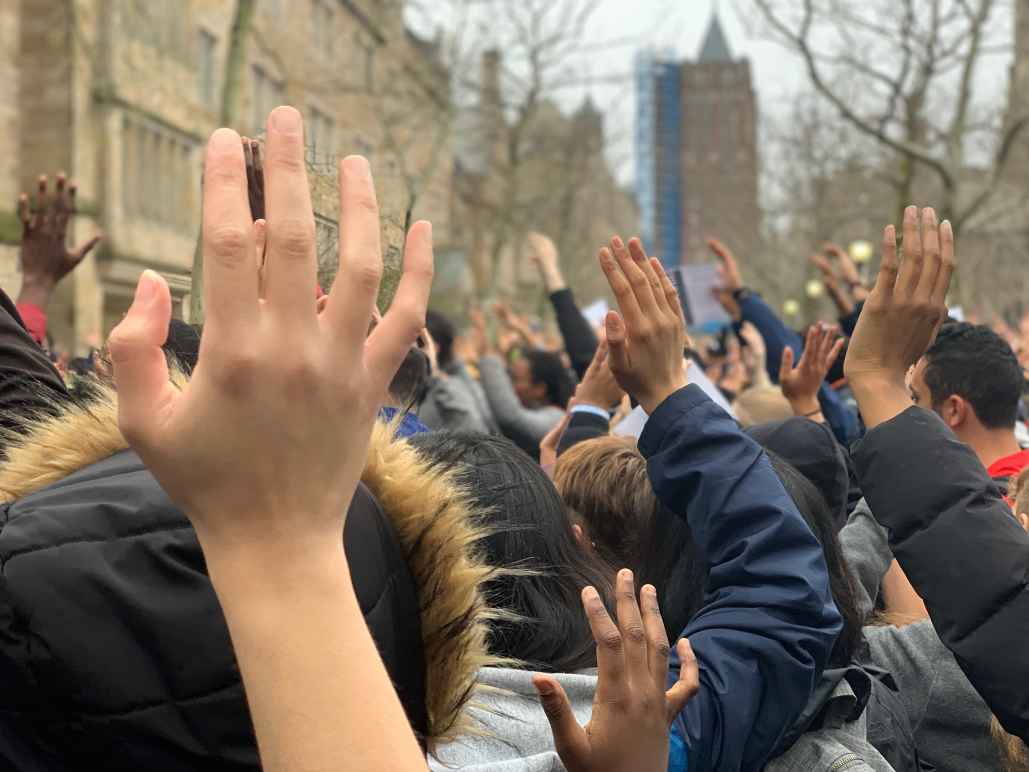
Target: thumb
(140, 368)
(786, 366)
(80, 253)
(618, 353)
(570, 740)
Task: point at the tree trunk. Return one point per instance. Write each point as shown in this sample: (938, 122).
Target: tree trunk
(231, 82)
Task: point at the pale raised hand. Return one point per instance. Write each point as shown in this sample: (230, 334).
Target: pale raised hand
(633, 709)
(647, 335)
(901, 315)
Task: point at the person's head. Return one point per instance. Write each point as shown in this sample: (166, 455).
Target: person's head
(1018, 491)
(408, 388)
(540, 378)
(604, 484)
(671, 563)
(443, 334)
(542, 568)
(971, 378)
(813, 451)
(761, 404)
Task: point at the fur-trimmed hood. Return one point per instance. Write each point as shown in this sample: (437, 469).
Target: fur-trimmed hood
(434, 519)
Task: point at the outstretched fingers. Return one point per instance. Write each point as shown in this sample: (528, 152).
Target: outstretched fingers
(689, 680)
(657, 637)
(570, 740)
(930, 255)
(914, 258)
(393, 336)
(140, 367)
(610, 648)
(230, 273)
(889, 267)
(947, 263)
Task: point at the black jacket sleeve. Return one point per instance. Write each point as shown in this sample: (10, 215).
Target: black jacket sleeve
(582, 427)
(580, 341)
(29, 383)
(964, 553)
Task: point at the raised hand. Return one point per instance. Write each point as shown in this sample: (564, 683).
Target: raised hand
(550, 441)
(731, 279)
(543, 254)
(264, 446)
(902, 314)
(599, 386)
(646, 339)
(800, 384)
(45, 256)
(632, 711)
(848, 270)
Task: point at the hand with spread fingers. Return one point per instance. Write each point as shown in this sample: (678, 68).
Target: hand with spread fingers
(732, 279)
(45, 256)
(632, 709)
(599, 386)
(800, 384)
(848, 270)
(647, 335)
(844, 304)
(902, 314)
(263, 448)
(550, 441)
(543, 252)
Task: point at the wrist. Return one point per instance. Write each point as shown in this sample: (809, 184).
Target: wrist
(805, 406)
(36, 290)
(880, 396)
(652, 400)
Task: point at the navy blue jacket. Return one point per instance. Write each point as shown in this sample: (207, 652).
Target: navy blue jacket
(768, 622)
(778, 337)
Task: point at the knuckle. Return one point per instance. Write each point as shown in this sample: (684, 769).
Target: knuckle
(612, 641)
(368, 274)
(365, 203)
(662, 649)
(236, 371)
(635, 634)
(228, 242)
(295, 236)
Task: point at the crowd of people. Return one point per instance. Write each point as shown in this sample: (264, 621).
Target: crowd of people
(312, 535)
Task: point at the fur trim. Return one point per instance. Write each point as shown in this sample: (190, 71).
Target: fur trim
(435, 521)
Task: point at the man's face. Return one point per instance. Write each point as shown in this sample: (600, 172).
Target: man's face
(917, 387)
(529, 392)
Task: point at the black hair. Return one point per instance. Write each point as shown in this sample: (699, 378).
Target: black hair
(183, 343)
(817, 515)
(975, 363)
(443, 333)
(531, 533)
(411, 382)
(548, 369)
(671, 562)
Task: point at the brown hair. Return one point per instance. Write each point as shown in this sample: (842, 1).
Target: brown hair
(604, 482)
(1014, 755)
(1019, 492)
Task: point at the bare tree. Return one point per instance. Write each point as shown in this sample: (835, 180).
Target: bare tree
(903, 74)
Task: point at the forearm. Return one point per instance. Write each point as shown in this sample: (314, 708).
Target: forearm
(579, 339)
(318, 692)
(776, 334)
(768, 622)
(843, 302)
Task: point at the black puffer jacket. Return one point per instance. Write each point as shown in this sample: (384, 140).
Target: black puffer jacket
(114, 653)
(964, 553)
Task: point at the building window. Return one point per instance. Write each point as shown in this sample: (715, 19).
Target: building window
(321, 26)
(208, 44)
(157, 173)
(320, 135)
(268, 93)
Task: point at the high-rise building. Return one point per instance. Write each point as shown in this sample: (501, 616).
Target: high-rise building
(696, 151)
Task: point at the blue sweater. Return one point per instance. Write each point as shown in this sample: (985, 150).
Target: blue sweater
(778, 337)
(768, 623)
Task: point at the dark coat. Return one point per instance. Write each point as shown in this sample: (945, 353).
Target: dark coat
(964, 553)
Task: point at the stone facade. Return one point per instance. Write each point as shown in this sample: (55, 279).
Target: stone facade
(122, 94)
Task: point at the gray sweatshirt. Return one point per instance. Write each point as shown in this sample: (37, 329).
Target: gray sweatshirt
(526, 426)
(457, 403)
(950, 720)
(515, 734)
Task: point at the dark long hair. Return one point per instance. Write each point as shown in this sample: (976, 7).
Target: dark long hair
(670, 562)
(530, 533)
(548, 369)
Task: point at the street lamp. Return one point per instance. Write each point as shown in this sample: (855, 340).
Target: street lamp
(813, 289)
(791, 308)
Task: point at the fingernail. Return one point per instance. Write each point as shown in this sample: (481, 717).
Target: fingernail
(625, 575)
(357, 166)
(617, 242)
(590, 593)
(286, 120)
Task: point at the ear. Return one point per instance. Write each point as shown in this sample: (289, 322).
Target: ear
(580, 536)
(954, 411)
(1022, 518)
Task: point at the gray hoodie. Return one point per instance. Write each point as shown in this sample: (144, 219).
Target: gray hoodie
(950, 720)
(515, 733)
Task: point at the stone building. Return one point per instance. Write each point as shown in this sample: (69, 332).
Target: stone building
(696, 150)
(122, 95)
